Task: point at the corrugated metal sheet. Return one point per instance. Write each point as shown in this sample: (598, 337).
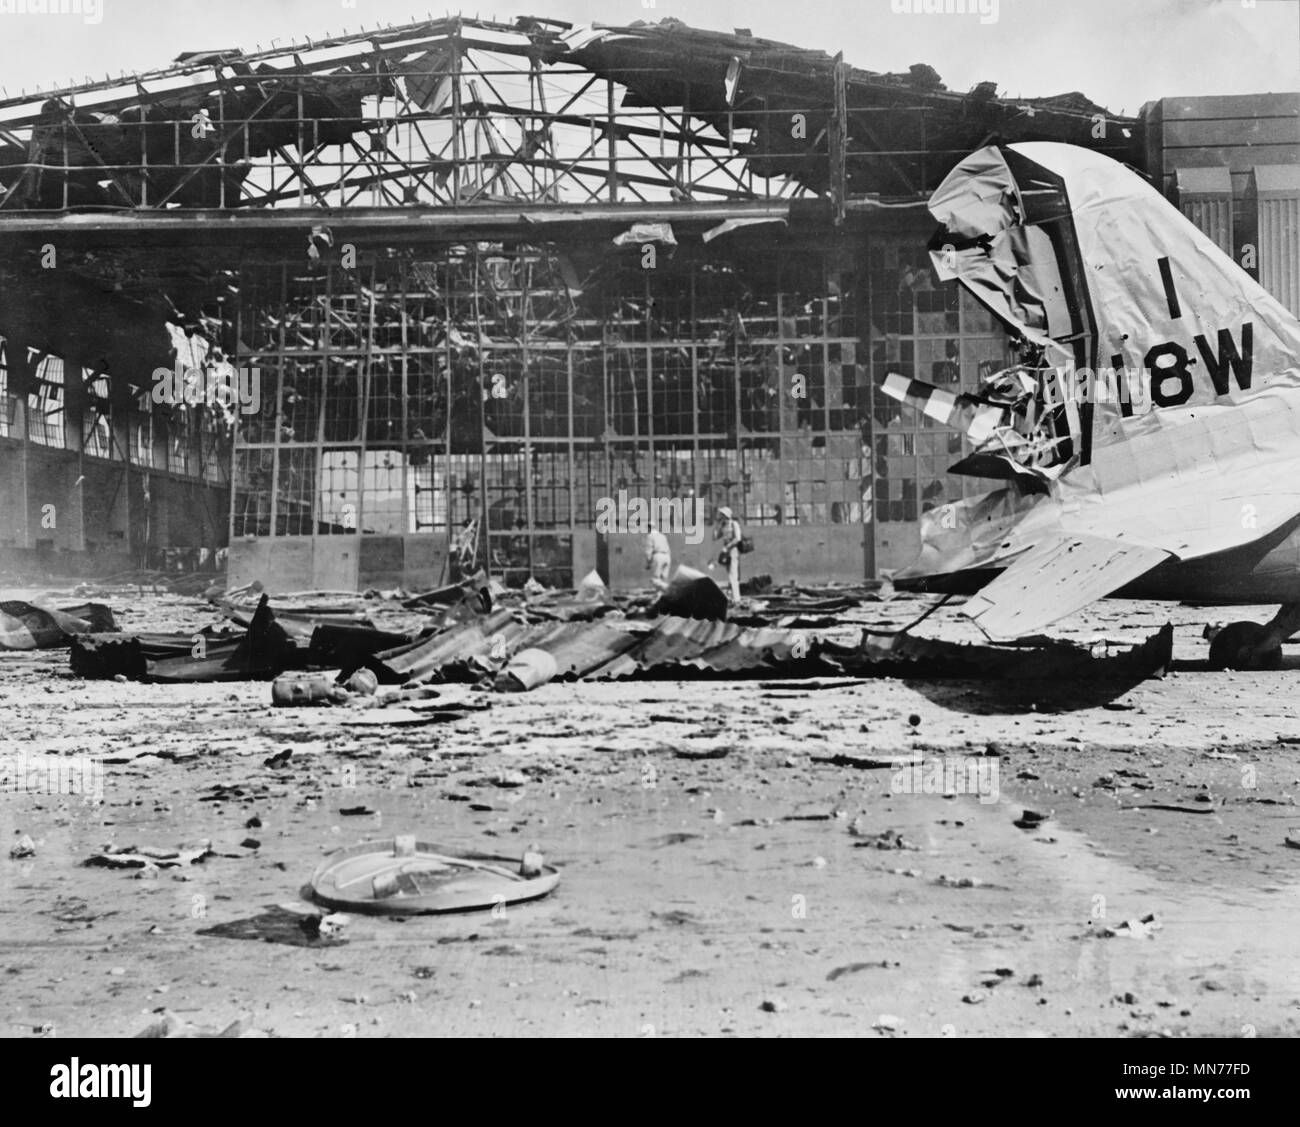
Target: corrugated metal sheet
(715, 647)
(1277, 195)
(423, 659)
(671, 647)
(97, 656)
(673, 640)
(750, 649)
(1213, 216)
(1205, 196)
(574, 650)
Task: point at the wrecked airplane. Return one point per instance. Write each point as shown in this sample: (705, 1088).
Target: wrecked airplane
(1181, 487)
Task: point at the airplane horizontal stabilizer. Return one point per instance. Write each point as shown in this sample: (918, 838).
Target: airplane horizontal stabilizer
(1057, 577)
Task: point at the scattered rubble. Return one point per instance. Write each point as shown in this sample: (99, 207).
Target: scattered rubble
(1142, 928)
(328, 651)
(169, 1025)
(149, 857)
(25, 626)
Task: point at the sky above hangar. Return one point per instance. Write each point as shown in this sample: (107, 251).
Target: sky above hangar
(1117, 52)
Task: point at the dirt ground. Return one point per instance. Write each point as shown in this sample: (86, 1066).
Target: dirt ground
(732, 861)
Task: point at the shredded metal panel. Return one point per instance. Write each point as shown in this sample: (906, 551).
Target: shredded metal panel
(1058, 577)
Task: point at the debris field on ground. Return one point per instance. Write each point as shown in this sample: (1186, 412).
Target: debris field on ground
(741, 840)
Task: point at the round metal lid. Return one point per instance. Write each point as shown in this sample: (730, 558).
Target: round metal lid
(398, 876)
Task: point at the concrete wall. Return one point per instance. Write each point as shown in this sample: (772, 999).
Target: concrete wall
(337, 563)
(897, 545)
(804, 554)
(288, 563)
(416, 562)
(62, 514)
(588, 555)
(13, 499)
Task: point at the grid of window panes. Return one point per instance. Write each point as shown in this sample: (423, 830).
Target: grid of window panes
(196, 440)
(96, 428)
(45, 404)
(926, 330)
(517, 386)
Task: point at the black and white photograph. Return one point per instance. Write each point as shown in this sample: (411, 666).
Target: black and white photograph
(650, 519)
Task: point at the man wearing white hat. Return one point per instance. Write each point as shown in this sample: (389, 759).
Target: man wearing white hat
(728, 531)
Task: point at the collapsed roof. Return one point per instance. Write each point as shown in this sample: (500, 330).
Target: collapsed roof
(452, 130)
(366, 111)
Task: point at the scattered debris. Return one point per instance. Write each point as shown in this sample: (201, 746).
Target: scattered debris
(853, 968)
(129, 857)
(692, 594)
(866, 763)
(1143, 928)
(672, 839)
(25, 626)
(327, 926)
(1170, 806)
(264, 650)
(506, 779)
(315, 658)
(295, 690)
(169, 1025)
(963, 882)
(705, 753)
(363, 682)
(886, 839)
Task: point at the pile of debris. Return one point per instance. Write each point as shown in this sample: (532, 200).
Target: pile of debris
(27, 626)
(325, 648)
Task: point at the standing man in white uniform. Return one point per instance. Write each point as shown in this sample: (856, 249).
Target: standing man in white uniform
(729, 532)
(658, 557)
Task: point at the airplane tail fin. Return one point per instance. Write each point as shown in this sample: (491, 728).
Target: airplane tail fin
(1086, 260)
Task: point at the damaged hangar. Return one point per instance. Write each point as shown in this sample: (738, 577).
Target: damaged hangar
(474, 277)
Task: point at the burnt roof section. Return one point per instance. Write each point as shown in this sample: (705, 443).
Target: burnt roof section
(124, 154)
(127, 144)
(905, 131)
